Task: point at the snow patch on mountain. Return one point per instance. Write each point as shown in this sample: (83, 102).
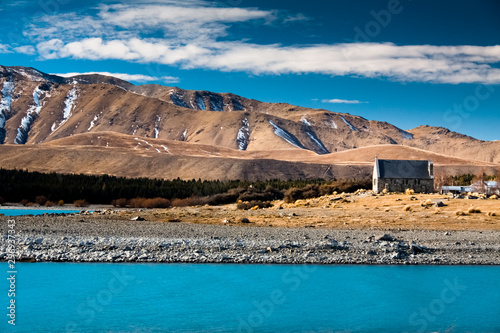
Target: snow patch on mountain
(165, 148)
(184, 135)
(69, 103)
(29, 119)
(406, 135)
(243, 135)
(318, 142)
(92, 123)
(5, 104)
(334, 124)
(312, 135)
(31, 74)
(68, 108)
(351, 126)
(200, 102)
(157, 126)
(148, 145)
(287, 136)
(304, 120)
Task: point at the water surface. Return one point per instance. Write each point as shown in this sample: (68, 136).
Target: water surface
(34, 211)
(77, 297)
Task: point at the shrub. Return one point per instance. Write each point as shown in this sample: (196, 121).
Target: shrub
(122, 202)
(136, 202)
(244, 220)
(223, 198)
(307, 192)
(407, 209)
(313, 191)
(50, 204)
(41, 200)
(80, 203)
(60, 203)
(474, 211)
(188, 202)
(251, 204)
(460, 213)
(157, 203)
(25, 202)
(268, 194)
(149, 203)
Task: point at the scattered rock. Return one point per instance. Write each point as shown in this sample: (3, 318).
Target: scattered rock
(416, 249)
(244, 220)
(138, 218)
(386, 237)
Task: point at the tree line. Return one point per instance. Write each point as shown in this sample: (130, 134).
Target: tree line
(19, 185)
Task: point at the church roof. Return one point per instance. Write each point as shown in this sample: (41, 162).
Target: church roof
(403, 169)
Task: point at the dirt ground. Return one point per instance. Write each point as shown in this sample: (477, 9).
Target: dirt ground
(345, 211)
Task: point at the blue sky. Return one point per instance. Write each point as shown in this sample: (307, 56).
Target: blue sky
(407, 62)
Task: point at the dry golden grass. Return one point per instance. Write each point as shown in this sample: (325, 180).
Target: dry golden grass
(355, 212)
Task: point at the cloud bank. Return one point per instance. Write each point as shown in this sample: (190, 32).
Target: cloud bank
(127, 77)
(342, 101)
(194, 34)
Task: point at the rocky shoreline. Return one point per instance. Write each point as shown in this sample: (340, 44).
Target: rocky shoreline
(89, 239)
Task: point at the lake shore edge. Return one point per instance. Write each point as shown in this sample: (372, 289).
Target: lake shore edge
(88, 239)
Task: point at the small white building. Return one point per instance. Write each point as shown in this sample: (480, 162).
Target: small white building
(486, 187)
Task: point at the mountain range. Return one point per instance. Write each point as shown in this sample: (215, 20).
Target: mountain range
(97, 124)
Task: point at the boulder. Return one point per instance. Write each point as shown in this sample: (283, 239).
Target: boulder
(244, 220)
(386, 237)
(417, 248)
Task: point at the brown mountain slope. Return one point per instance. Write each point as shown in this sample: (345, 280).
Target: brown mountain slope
(364, 155)
(121, 155)
(127, 163)
(49, 112)
(444, 141)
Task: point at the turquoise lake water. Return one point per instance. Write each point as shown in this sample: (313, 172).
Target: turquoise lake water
(77, 297)
(18, 212)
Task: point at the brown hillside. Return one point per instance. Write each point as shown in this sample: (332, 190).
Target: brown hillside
(91, 114)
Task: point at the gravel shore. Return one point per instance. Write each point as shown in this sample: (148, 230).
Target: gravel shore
(89, 239)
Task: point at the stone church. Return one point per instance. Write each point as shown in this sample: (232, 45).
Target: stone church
(399, 175)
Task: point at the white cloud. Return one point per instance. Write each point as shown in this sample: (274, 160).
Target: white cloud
(422, 63)
(170, 79)
(5, 48)
(190, 34)
(127, 77)
(25, 49)
(180, 21)
(342, 101)
(295, 18)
